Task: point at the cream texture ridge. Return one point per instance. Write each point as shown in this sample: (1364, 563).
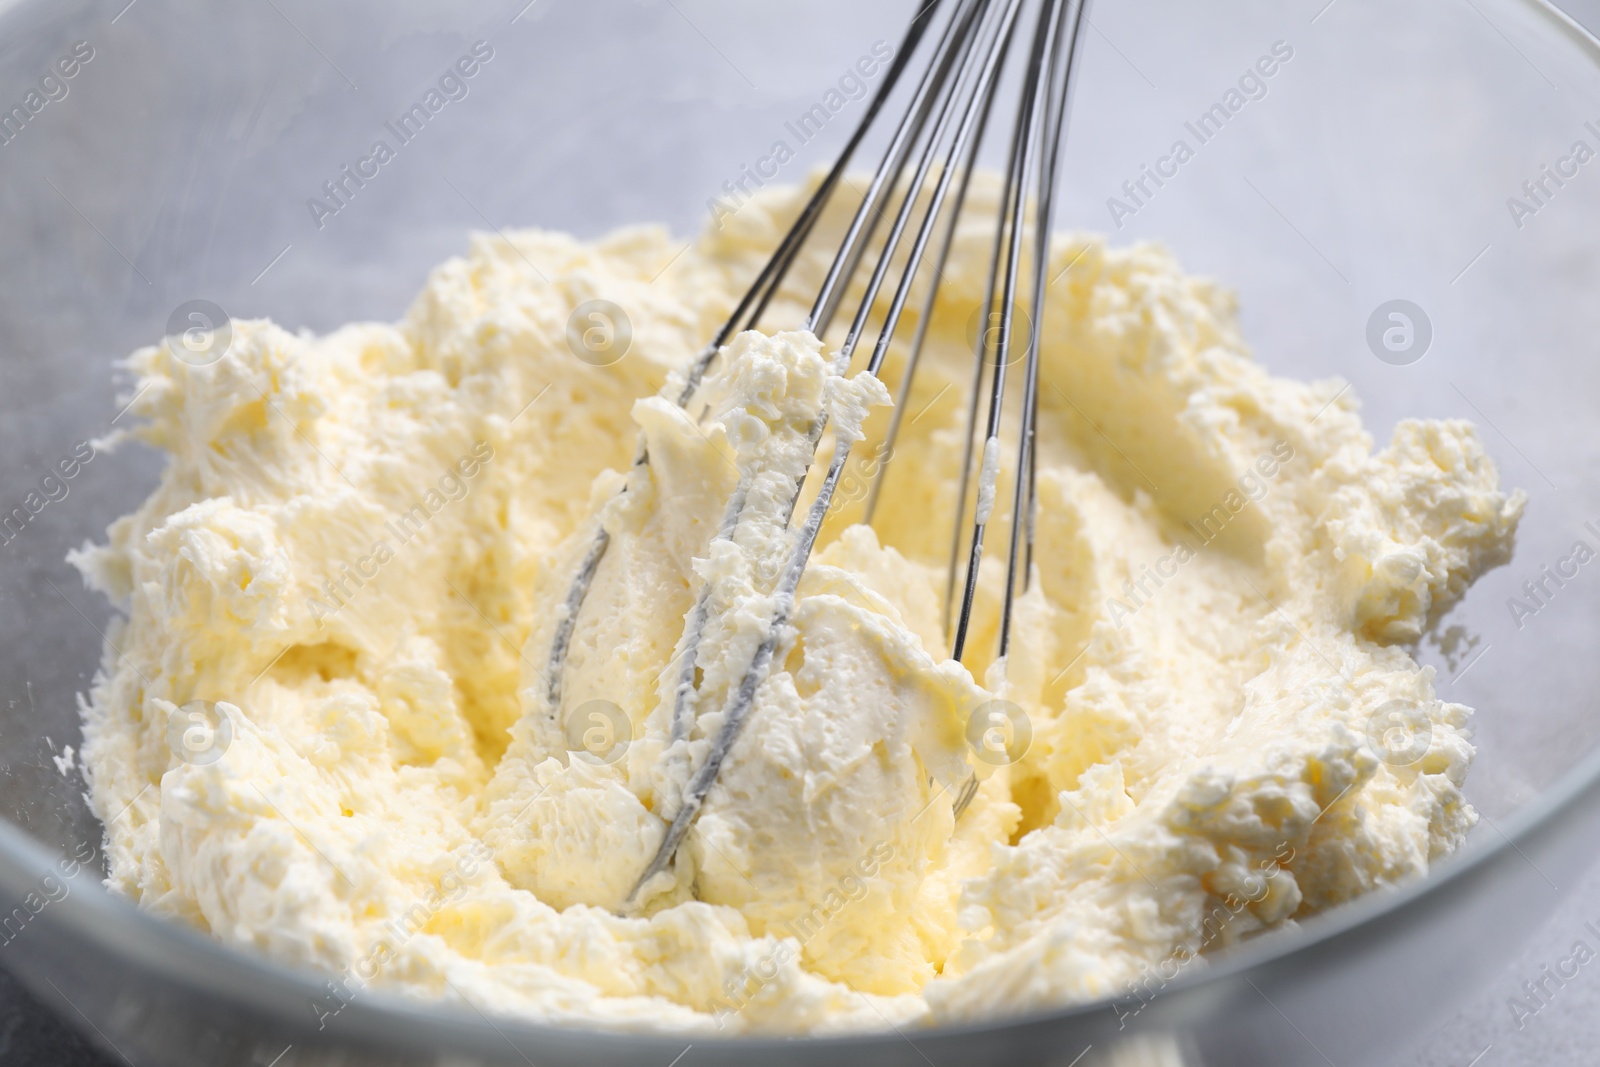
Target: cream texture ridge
(323, 729)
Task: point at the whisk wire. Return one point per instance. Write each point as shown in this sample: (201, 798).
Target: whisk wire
(919, 337)
(982, 346)
(886, 177)
(759, 294)
(957, 61)
(1012, 205)
(955, 44)
(1044, 217)
(1060, 52)
(928, 93)
(1003, 22)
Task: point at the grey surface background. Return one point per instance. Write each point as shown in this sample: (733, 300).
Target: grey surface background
(1304, 225)
(1486, 1031)
(1566, 1030)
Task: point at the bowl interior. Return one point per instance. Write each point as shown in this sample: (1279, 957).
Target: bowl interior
(1384, 159)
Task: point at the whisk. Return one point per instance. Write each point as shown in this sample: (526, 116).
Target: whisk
(937, 138)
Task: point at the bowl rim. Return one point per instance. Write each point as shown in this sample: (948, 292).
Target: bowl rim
(190, 959)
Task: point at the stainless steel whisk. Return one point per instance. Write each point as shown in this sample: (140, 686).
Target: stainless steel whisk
(947, 115)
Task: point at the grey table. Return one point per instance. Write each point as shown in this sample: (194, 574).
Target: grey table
(1486, 1031)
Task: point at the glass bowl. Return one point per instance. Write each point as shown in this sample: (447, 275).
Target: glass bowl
(1386, 161)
